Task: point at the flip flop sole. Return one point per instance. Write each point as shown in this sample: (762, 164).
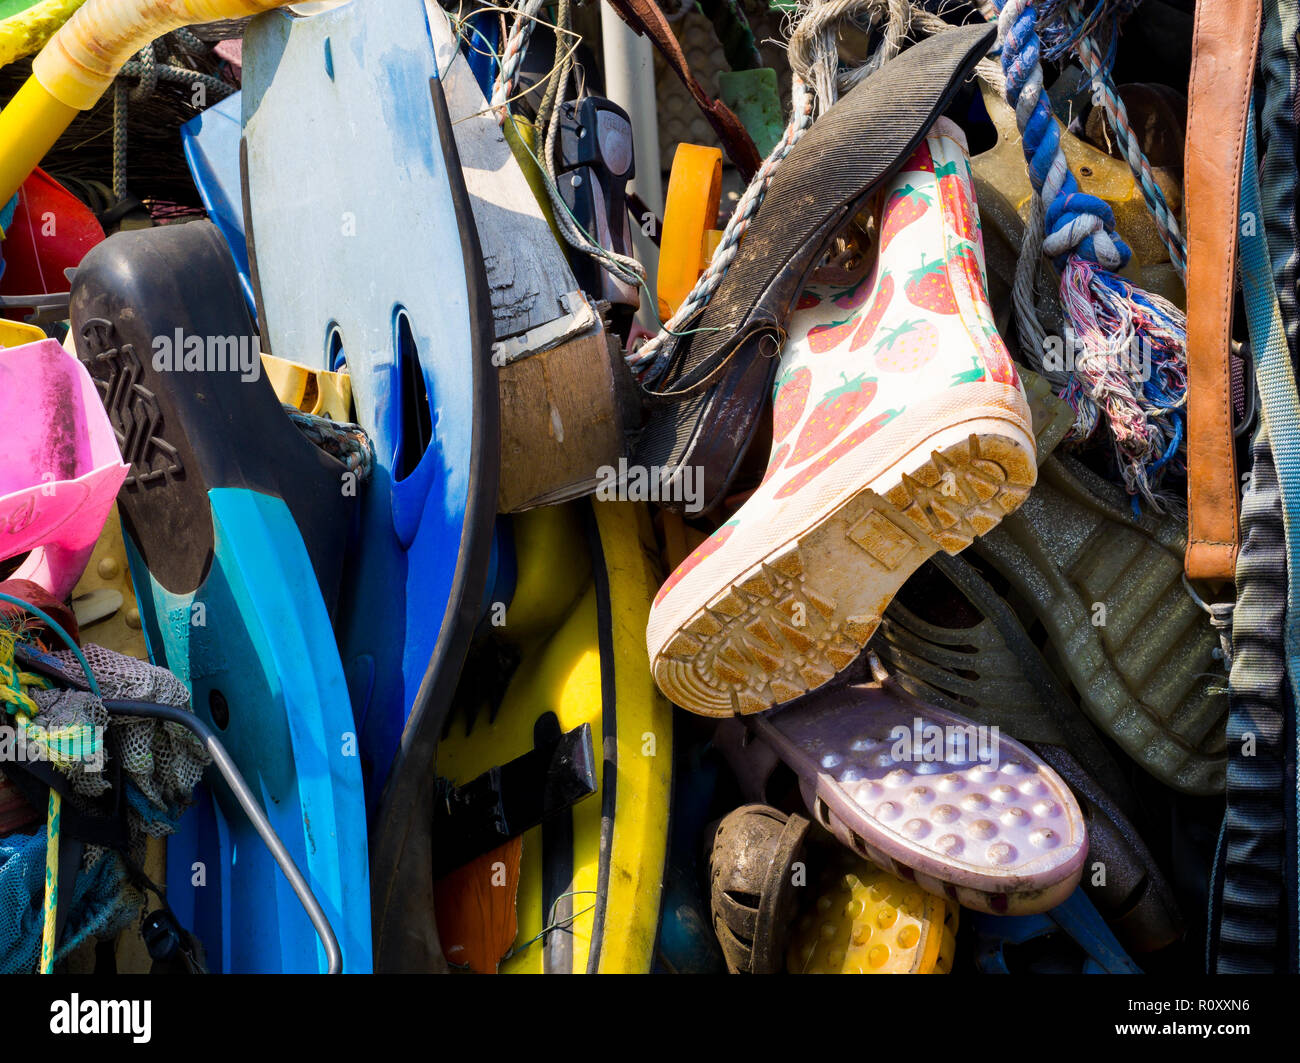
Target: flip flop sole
(964, 812)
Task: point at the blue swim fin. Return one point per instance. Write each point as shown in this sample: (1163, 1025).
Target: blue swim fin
(211, 143)
(235, 527)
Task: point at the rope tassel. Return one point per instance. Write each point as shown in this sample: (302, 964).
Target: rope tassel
(1128, 346)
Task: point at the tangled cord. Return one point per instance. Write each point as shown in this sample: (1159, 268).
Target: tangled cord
(813, 48)
(1129, 346)
(817, 80)
(512, 55)
(1099, 68)
(624, 267)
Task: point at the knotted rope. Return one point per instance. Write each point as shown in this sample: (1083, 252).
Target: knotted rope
(1129, 346)
(1066, 27)
(344, 441)
(146, 67)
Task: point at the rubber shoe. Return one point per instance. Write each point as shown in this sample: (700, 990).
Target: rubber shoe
(900, 428)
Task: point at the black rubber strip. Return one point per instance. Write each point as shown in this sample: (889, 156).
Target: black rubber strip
(557, 870)
(609, 731)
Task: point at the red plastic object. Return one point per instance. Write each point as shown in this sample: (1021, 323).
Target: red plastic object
(52, 230)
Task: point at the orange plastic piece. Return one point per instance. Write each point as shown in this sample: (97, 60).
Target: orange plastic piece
(475, 908)
(689, 236)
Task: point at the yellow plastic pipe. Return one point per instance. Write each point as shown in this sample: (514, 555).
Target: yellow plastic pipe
(27, 31)
(79, 63)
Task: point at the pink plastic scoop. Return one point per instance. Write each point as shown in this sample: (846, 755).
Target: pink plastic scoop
(61, 468)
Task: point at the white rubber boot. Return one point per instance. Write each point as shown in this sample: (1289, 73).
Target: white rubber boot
(899, 428)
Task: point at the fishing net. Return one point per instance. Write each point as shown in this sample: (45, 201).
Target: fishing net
(103, 901)
(160, 761)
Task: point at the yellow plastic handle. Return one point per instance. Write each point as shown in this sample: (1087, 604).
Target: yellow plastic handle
(315, 391)
(78, 64)
(690, 214)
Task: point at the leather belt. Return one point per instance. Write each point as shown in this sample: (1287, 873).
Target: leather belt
(1224, 49)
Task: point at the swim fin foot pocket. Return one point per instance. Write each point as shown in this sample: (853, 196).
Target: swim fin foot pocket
(235, 527)
(161, 326)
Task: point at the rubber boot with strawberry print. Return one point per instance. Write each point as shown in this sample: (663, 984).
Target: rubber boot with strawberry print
(900, 428)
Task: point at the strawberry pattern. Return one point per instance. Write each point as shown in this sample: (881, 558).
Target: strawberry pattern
(838, 409)
(921, 160)
(867, 330)
(956, 201)
(791, 398)
(994, 353)
(928, 288)
(711, 545)
(853, 297)
(907, 346)
(853, 439)
(776, 461)
(903, 207)
(823, 338)
(859, 357)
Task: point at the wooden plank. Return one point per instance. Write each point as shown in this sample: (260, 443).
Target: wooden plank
(563, 414)
(527, 272)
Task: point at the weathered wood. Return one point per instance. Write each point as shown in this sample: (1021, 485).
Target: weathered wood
(563, 416)
(527, 272)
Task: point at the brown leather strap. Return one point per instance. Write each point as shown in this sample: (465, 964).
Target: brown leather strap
(648, 20)
(1224, 46)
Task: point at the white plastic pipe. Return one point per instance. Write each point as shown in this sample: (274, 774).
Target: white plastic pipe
(630, 83)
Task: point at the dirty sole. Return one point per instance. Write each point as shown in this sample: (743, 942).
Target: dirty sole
(802, 610)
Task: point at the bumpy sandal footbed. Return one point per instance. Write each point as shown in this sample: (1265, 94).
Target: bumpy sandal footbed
(1003, 835)
(865, 920)
(993, 673)
(718, 374)
(751, 877)
(1133, 895)
(787, 592)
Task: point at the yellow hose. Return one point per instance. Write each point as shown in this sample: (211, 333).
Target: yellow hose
(25, 33)
(79, 63)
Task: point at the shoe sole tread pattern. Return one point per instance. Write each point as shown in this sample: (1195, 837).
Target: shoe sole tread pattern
(1165, 709)
(791, 622)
